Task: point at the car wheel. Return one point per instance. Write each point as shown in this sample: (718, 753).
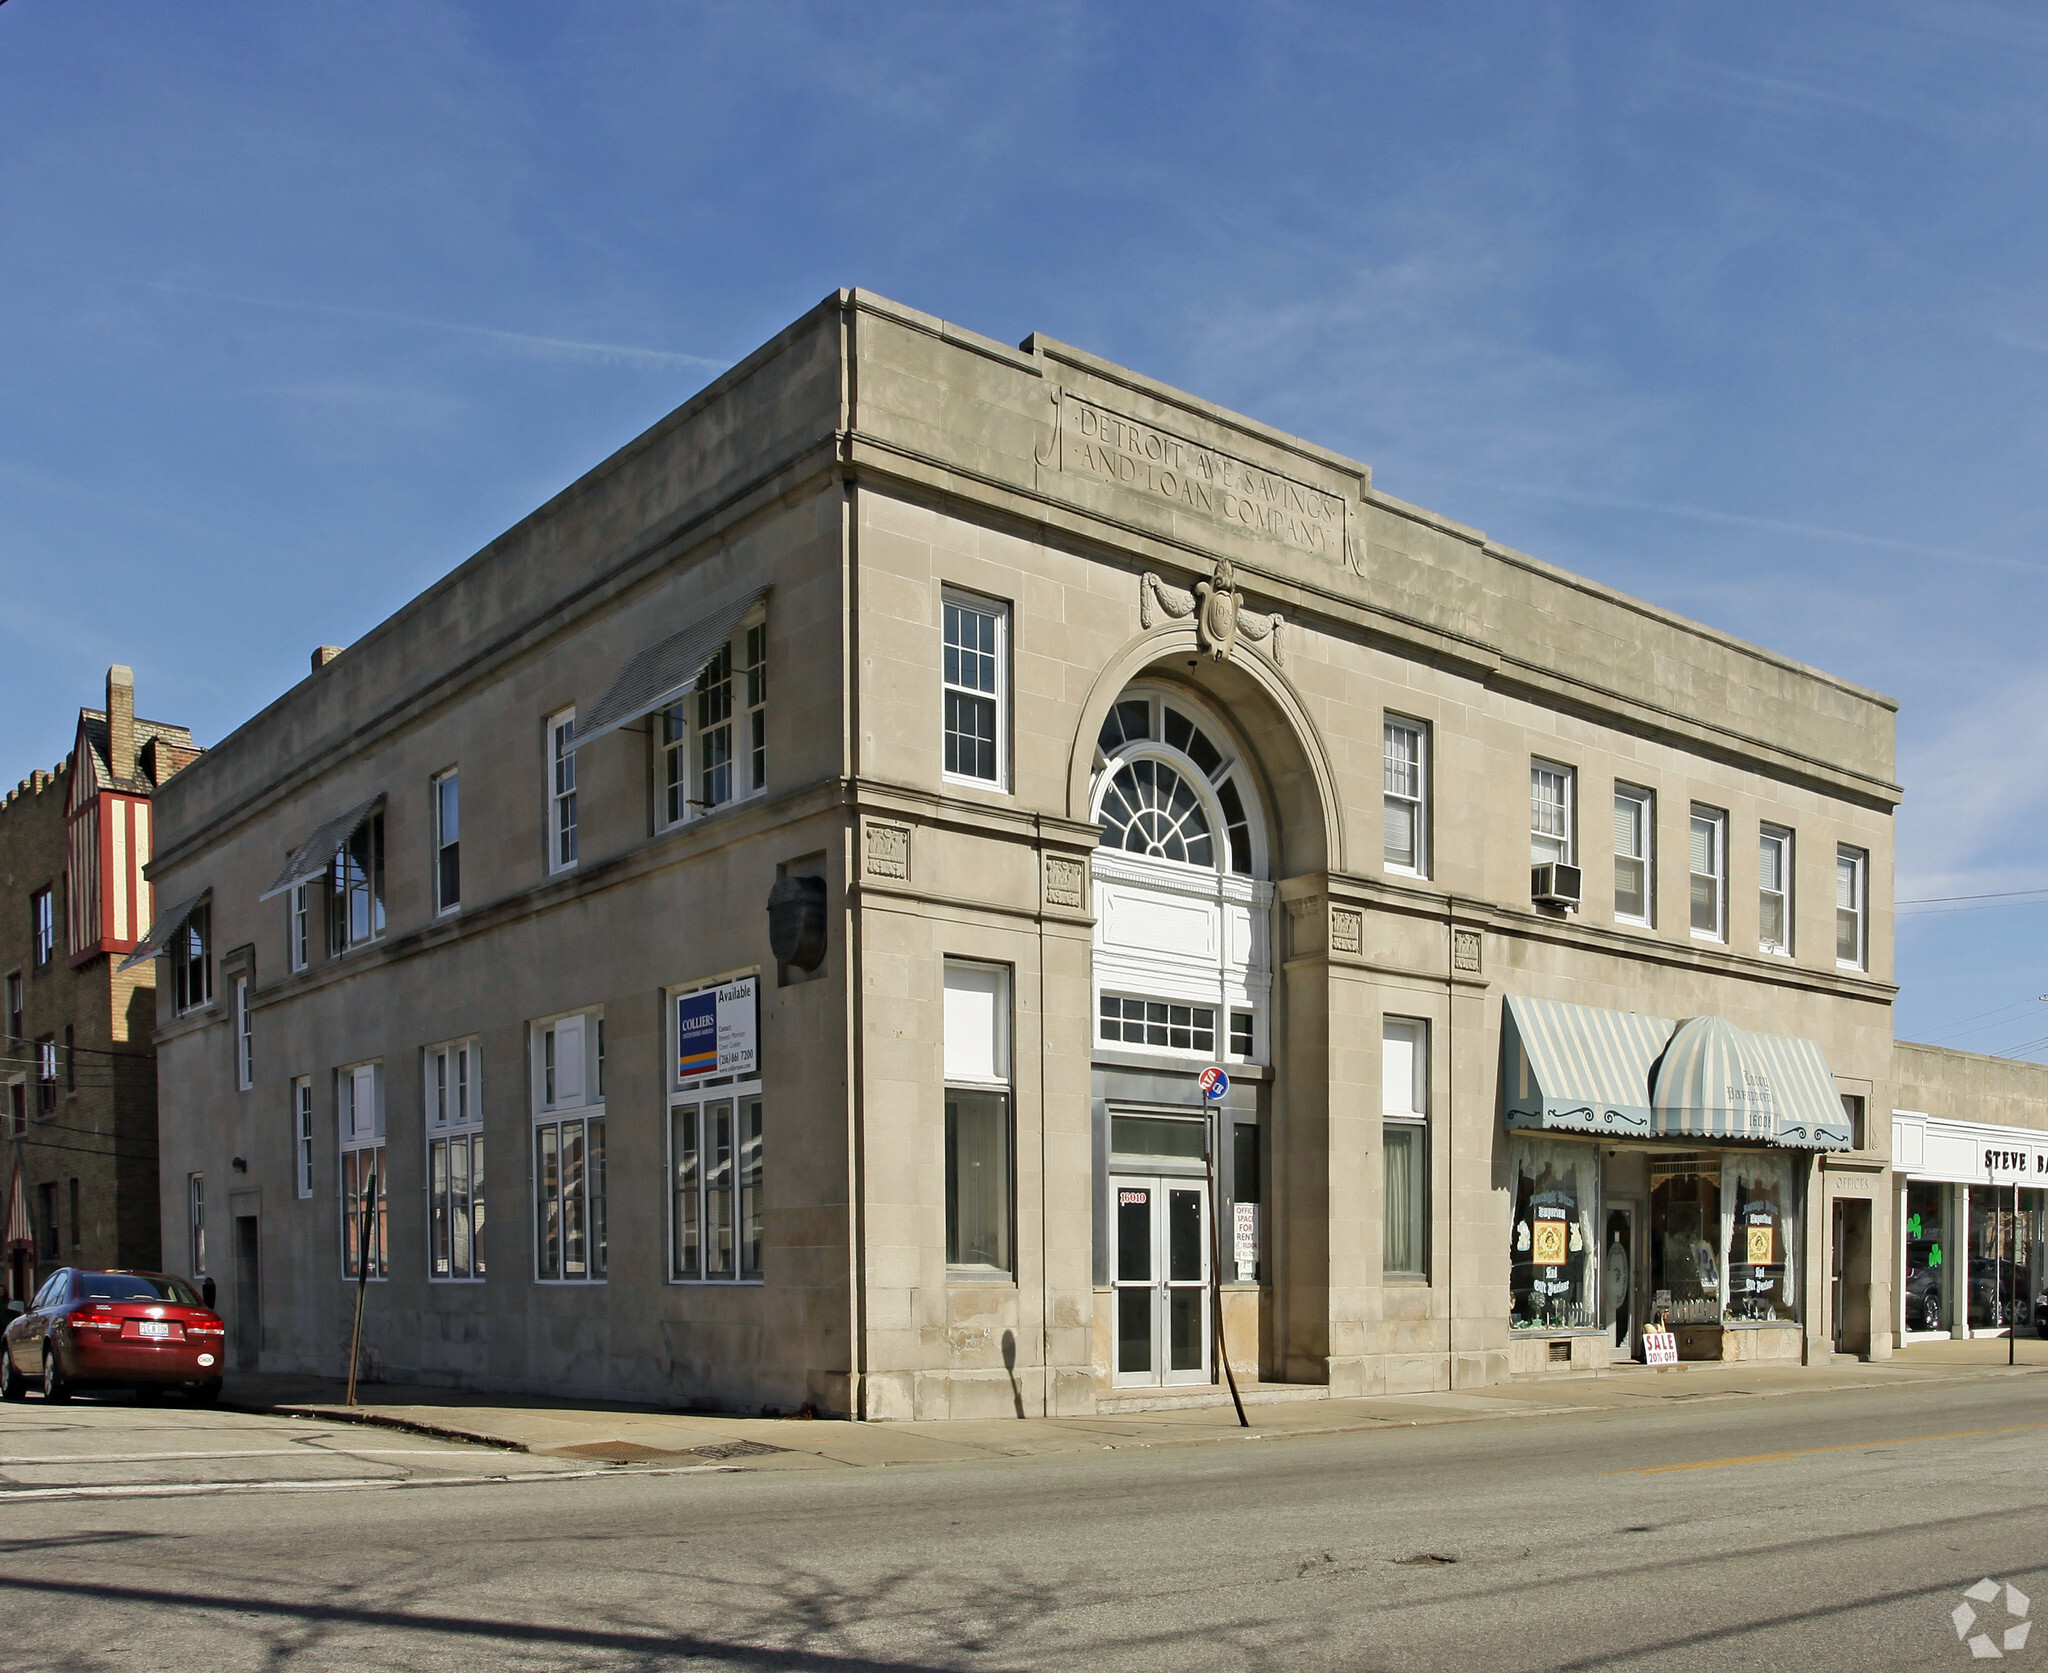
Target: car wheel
(56, 1387)
(205, 1394)
(12, 1385)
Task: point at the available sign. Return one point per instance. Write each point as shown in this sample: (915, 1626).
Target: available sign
(717, 1031)
(1660, 1347)
(1245, 1239)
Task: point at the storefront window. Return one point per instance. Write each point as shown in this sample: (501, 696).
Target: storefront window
(1552, 1259)
(1685, 1237)
(1926, 1255)
(2005, 1256)
(1761, 1193)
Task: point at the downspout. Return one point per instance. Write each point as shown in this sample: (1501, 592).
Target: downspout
(849, 766)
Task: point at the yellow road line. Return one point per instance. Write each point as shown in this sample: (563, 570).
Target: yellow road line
(1809, 1451)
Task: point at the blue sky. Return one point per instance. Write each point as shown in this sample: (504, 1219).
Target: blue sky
(1743, 308)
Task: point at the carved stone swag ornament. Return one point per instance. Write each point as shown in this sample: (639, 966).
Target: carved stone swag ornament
(1218, 608)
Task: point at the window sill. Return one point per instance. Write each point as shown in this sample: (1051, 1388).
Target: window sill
(1710, 938)
(1844, 964)
(457, 1282)
(1406, 871)
(989, 1275)
(703, 1283)
(1405, 1280)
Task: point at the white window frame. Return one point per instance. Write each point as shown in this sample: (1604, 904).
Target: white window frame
(1568, 807)
(564, 831)
(1858, 859)
(1783, 836)
(681, 734)
(558, 1103)
(740, 1096)
(245, 1038)
(360, 1141)
(1406, 1106)
(302, 1135)
(298, 927)
(1163, 1016)
(977, 1051)
(43, 925)
(442, 784)
(955, 598)
(452, 1073)
(1417, 800)
(1646, 813)
(1716, 819)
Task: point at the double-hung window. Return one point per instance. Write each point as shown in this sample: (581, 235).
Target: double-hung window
(571, 1239)
(192, 961)
(455, 1162)
(1407, 796)
(714, 745)
(302, 1135)
(1550, 813)
(717, 1216)
(1774, 890)
(976, 631)
(245, 1038)
(355, 888)
(978, 1124)
(447, 841)
(1635, 827)
(42, 916)
(46, 1075)
(16, 1028)
(1852, 902)
(561, 737)
(298, 927)
(365, 1191)
(1404, 1144)
(1709, 871)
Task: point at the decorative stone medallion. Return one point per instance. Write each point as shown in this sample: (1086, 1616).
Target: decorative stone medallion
(887, 850)
(1066, 881)
(1347, 929)
(1465, 951)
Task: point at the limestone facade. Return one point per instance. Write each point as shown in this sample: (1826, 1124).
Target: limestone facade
(1111, 541)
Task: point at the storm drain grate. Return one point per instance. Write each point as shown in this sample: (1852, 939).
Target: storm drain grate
(737, 1449)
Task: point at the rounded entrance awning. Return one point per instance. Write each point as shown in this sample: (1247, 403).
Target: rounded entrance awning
(1712, 1083)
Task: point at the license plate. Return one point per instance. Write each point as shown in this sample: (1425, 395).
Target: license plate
(155, 1327)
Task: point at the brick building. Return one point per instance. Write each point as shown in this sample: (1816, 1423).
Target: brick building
(78, 1077)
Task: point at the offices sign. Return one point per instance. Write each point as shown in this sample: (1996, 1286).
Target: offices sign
(718, 1031)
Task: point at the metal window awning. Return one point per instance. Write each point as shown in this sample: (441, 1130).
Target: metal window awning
(313, 856)
(664, 673)
(161, 933)
(1582, 1069)
(1579, 1068)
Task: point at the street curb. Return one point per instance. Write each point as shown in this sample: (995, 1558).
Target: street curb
(386, 1420)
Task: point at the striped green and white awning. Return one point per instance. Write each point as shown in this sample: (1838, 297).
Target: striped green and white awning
(1583, 1069)
(1712, 1083)
(1810, 1114)
(1579, 1068)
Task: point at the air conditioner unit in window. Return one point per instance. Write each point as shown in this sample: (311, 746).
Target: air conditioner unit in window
(1556, 885)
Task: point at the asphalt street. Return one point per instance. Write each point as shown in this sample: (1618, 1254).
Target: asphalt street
(1817, 1531)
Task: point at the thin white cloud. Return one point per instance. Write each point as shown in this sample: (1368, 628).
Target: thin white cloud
(617, 354)
(1769, 525)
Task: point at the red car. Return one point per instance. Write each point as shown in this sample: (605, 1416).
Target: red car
(142, 1330)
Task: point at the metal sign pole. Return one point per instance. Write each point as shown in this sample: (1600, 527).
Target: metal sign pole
(1216, 1281)
(2012, 1305)
(355, 1343)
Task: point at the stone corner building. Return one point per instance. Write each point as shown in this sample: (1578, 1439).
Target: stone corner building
(78, 1080)
(1082, 736)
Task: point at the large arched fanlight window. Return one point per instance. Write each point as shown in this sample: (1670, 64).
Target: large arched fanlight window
(1152, 806)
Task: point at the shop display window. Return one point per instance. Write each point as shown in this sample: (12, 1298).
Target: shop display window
(1685, 1238)
(1761, 1197)
(2005, 1256)
(1553, 1255)
(1926, 1255)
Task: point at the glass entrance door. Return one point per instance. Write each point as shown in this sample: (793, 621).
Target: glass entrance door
(1160, 1263)
(1621, 1280)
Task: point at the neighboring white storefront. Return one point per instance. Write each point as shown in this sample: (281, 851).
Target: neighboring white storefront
(1971, 1254)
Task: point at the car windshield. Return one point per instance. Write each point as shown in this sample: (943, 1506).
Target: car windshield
(133, 1286)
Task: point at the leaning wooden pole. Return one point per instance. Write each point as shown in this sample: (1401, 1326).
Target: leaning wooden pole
(355, 1341)
(1216, 1287)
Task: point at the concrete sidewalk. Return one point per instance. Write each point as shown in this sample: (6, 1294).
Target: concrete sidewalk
(629, 1434)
